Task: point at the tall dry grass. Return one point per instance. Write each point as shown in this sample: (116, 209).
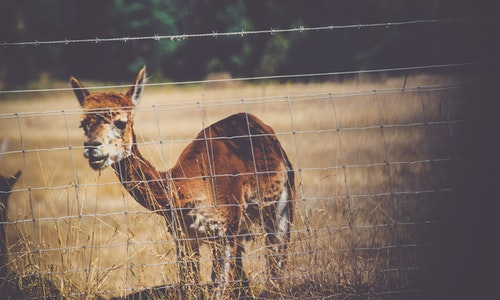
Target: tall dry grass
(372, 177)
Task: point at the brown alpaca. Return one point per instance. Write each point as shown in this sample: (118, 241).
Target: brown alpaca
(14, 285)
(235, 173)
(6, 183)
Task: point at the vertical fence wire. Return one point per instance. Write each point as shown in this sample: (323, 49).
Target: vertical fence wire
(29, 190)
(299, 167)
(390, 184)
(129, 272)
(347, 208)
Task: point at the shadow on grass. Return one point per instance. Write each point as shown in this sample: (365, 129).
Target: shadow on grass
(306, 290)
(203, 291)
(32, 286)
(158, 292)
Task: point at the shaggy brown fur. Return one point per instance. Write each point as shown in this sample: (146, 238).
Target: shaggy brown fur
(233, 174)
(6, 184)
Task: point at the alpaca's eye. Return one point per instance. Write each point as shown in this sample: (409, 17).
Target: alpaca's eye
(85, 126)
(120, 124)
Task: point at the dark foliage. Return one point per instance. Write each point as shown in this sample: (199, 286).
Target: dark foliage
(249, 55)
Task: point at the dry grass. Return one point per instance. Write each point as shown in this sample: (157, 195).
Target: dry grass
(366, 230)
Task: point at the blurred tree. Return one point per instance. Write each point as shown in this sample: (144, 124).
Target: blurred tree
(198, 57)
(247, 55)
(30, 21)
(123, 18)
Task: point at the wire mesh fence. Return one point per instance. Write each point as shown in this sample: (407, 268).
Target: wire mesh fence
(373, 161)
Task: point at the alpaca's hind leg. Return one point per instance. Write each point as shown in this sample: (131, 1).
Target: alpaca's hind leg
(278, 222)
(225, 253)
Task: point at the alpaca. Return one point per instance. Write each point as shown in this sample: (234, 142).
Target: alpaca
(15, 285)
(6, 184)
(235, 173)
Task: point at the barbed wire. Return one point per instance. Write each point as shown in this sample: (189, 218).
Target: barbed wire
(242, 33)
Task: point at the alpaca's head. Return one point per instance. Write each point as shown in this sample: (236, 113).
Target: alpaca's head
(107, 122)
(6, 184)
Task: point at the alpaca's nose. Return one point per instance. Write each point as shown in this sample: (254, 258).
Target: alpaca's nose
(91, 149)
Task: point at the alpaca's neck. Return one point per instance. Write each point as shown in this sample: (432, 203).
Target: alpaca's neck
(143, 181)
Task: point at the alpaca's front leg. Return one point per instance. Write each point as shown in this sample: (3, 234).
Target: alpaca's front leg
(189, 268)
(241, 284)
(224, 251)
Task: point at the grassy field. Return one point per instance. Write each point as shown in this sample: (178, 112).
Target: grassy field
(373, 173)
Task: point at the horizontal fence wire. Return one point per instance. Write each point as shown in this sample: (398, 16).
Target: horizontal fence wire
(259, 78)
(368, 194)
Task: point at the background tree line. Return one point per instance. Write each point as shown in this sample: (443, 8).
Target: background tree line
(249, 55)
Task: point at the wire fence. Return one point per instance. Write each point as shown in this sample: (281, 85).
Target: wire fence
(372, 167)
(373, 158)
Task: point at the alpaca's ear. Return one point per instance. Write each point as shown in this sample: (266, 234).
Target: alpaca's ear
(6, 184)
(80, 91)
(135, 91)
(12, 179)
